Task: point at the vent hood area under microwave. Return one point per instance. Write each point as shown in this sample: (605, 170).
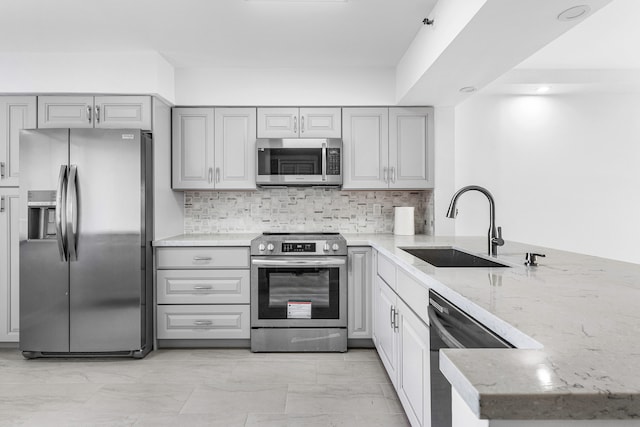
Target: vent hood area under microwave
(299, 162)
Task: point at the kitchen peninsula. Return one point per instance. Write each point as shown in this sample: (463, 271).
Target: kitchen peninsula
(568, 364)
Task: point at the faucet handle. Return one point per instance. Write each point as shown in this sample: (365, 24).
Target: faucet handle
(498, 240)
(530, 258)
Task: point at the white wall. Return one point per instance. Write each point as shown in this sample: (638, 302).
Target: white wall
(444, 139)
(60, 72)
(285, 86)
(563, 170)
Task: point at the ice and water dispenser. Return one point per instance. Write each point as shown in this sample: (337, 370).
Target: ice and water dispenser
(42, 215)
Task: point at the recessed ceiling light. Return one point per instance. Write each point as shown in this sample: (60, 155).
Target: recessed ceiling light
(573, 13)
(467, 89)
(543, 89)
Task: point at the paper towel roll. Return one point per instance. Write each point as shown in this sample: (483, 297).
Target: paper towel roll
(403, 221)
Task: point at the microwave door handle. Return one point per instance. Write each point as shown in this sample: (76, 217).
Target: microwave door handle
(324, 161)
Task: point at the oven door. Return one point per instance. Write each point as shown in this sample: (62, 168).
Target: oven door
(298, 292)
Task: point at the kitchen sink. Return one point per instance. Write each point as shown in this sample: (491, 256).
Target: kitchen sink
(450, 257)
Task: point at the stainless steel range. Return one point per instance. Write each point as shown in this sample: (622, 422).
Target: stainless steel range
(299, 292)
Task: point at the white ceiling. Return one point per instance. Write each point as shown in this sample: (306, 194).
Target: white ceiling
(220, 33)
(610, 39)
(600, 54)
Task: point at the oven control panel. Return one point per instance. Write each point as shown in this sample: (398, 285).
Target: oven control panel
(298, 247)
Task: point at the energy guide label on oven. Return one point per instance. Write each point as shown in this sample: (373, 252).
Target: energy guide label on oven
(299, 310)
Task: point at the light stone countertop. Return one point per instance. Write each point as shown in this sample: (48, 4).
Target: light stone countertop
(207, 240)
(574, 318)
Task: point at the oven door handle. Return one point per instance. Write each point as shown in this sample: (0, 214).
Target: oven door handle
(292, 263)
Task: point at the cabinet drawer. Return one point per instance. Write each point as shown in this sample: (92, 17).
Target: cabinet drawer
(387, 270)
(203, 286)
(203, 321)
(202, 257)
(414, 294)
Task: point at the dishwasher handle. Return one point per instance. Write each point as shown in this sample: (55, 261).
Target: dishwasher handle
(438, 327)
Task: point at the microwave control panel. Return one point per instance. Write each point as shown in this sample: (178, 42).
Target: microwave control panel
(333, 161)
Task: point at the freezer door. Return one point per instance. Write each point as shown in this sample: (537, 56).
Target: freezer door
(108, 270)
(44, 274)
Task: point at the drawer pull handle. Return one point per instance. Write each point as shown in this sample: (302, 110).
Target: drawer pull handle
(203, 322)
(202, 258)
(199, 288)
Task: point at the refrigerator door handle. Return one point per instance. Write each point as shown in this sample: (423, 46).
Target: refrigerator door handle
(61, 227)
(72, 213)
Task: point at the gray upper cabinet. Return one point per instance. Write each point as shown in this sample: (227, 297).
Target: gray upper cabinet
(365, 148)
(411, 147)
(105, 112)
(294, 122)
(388, 148)
(119, 112)
(214, 149)
(16, 113)
(192, 148)
(235, 146)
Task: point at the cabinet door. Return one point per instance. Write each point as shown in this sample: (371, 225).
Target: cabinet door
(9, 266)
(414, 386)
(360, 291)
(365, 148)
(278, 122)
(235, 148)
(411, 147)
(65, 112)
(386, 337)
(16, 113)
(192, 149)
(118, 112)
(320, 123)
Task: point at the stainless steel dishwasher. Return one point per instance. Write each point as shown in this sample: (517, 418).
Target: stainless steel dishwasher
(452, 328)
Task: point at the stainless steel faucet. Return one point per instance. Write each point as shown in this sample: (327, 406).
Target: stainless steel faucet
(495, 234)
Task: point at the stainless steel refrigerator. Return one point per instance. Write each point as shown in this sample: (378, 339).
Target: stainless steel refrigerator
(85, 242)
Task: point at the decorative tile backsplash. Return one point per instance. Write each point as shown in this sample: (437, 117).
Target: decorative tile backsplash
(303, 209)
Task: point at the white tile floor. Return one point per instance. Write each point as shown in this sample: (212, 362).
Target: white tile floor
(200, 388)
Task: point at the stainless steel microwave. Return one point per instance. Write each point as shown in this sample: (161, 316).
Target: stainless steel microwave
(284, 162)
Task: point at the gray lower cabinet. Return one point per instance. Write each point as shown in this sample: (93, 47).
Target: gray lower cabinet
(9, 266)
(16, 113)
(401, 336)
(202, 293)
(360, 293)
